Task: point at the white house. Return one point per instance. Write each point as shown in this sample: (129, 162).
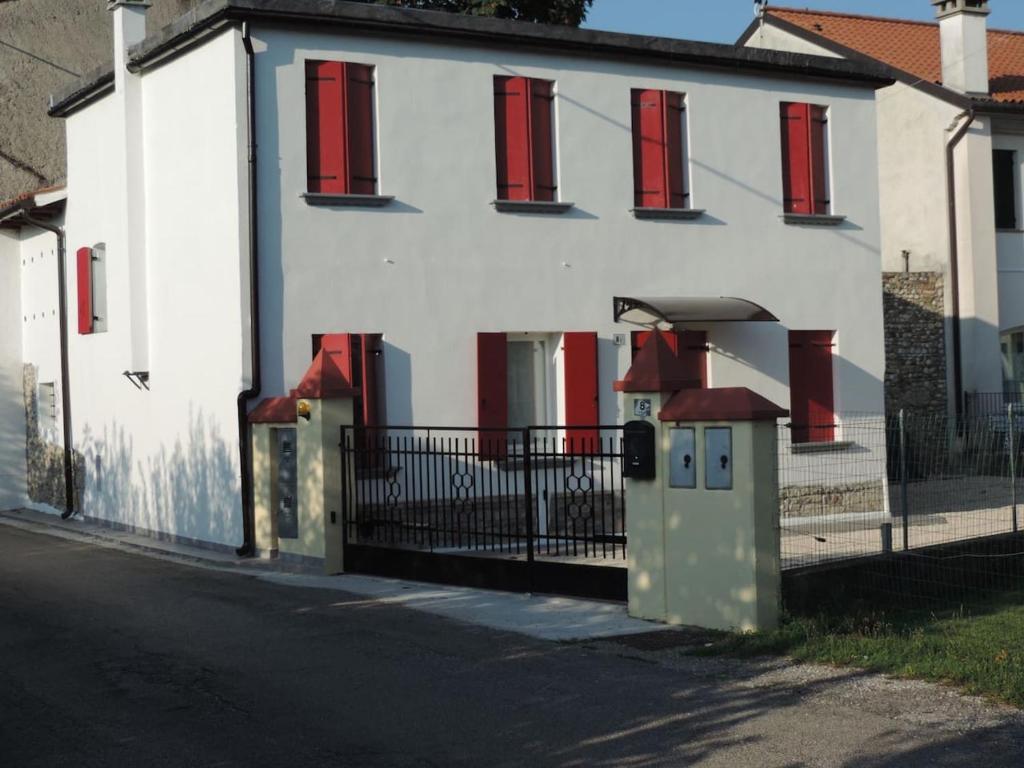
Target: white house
(950, 148)
(465, 197)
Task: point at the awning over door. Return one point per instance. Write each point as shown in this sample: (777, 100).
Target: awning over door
(669, 312)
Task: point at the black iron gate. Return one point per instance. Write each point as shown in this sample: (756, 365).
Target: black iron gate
(540, 509)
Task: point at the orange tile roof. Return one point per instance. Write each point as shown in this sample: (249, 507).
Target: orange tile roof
(913, 46)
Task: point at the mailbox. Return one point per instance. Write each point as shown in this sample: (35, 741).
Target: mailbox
(638, 445)
(682, 458)
(718, 458)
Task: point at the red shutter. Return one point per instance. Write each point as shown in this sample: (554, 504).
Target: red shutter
(639, 338)
(84, 268)
(650, 187)
(325, 127)
(372, 365)
(674, 150)
(542, 139)
(796, 172)
(492, 393)
(362, 179)
(816, 126)
(810, 386)
(581, 392)
(512, 137)
(693, 352)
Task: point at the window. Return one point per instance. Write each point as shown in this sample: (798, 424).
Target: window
(90, 268)
(805, 182)
(524, 139)
(339, 128)
(659, 165)
(691, 347)
(514, 373)
(810, 386)
(362, 362)
(1004, 176)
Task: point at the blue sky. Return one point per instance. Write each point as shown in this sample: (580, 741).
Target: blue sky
(722, 21)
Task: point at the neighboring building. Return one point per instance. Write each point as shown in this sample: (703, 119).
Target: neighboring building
(465, 197)
(44, 46)
(954, 315)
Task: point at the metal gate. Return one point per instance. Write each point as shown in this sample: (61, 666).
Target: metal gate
(540, 509)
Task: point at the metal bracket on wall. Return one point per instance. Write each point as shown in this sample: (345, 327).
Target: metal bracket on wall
(139, 378)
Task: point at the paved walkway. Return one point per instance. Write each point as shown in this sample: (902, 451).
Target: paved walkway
(541, 616)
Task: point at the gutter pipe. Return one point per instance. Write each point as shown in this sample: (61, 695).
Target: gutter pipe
(248, 548)
(65, 373)
(954, 253)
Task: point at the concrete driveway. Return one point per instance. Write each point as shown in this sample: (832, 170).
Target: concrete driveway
(116, 659)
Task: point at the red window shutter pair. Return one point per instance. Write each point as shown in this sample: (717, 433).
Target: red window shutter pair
(361, 359)
(810, 386)
(804, 185)
(691, 347)
(581, 392)
(524, 138)
(83, 263)
(658, 164)
(339, 128)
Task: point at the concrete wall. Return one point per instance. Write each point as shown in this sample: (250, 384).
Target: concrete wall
(440, 265)
(12, 412)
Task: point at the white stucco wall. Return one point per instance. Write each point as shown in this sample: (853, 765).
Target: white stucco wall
(12, 411)
(440, 265)
(166, 459)
(769, 36)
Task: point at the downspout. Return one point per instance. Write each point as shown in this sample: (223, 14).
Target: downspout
(954, 252)
(244, 447)
(65, 374)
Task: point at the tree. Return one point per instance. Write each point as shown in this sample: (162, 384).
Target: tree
(568, 12)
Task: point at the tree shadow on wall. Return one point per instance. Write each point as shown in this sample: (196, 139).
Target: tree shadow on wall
(188, 489)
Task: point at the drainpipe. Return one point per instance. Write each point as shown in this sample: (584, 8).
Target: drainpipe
(65, 375)
(954, 269)
(248, 547)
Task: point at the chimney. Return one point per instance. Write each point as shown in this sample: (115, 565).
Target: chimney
(964, 32)
(129, 29)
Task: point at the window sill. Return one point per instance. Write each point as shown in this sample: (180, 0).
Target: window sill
(667, 213)
(530, 206)
(348, 201)
(813, 219)
(833, 446)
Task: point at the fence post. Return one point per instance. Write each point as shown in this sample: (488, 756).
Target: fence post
(1011, 436)
(528, 491)
(904, 504)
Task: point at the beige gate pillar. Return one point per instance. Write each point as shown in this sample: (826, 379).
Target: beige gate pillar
(266, 422)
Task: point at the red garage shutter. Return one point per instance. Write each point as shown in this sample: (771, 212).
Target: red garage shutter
(325, 127)
(359, 118)
(84, 270)
(804, 161)
(691, 347)
(811, 386)
(372, 369)
(581, 391)
(658, 179)
(492, 393)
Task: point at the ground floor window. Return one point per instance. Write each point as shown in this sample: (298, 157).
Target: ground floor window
(811, 393)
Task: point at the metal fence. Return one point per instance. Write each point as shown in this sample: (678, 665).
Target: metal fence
(899, 483)
(540, 492)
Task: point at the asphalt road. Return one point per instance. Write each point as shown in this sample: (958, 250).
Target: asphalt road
(116, 659)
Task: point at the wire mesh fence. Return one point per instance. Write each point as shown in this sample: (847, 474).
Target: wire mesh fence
(920, 506)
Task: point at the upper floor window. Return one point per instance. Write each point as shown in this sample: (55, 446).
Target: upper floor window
(1004, 177)
(659, 161)
(524, 139)
(339, 128)
(805, 182)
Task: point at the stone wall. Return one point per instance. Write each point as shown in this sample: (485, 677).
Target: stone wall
(915, 343)
(45, 460)
(840, 498)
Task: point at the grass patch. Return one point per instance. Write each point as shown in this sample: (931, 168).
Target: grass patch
(980, 650)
